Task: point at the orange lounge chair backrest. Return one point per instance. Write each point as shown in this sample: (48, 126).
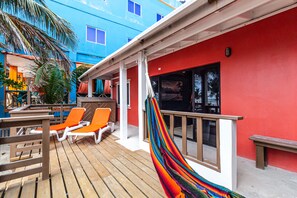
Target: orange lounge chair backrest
(75, 116)
(101, 116)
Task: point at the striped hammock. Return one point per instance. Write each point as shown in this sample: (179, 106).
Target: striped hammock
(178, 179)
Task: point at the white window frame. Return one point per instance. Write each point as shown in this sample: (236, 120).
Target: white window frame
(134, 8)
(117, 94)
(95, 35)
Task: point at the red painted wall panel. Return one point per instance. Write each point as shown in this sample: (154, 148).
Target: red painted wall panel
(132, 75)
(259, 80)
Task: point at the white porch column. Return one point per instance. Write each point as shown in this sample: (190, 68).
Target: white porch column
(123, 102)
(141, 94)
(90, 88)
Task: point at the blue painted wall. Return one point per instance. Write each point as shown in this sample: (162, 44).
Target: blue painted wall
(113, 17)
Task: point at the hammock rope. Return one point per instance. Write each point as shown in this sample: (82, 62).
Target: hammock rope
(177, 177)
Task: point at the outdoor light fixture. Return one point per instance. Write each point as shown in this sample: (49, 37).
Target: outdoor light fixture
(228, 51)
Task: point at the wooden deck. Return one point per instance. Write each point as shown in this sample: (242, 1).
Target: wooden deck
(85, 169)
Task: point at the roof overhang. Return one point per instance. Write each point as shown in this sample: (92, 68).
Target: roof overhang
(191, 23)
(23, 62)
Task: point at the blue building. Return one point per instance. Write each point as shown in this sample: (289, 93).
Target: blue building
(103, 26)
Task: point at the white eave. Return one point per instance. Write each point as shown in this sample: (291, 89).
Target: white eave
(191, 23)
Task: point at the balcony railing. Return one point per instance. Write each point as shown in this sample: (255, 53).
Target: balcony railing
(59, 114)
(44, 138)
(207, 139)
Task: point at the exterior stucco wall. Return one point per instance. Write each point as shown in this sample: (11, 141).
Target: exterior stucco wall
(258, 81)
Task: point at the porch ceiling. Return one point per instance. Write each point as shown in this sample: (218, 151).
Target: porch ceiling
(192, 23)
(23, 62)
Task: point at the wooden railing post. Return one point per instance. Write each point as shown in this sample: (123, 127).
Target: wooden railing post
(184, 135)
(199, 139)
(171, 125)
(223, 170)
(45, 148)
(22, 122)
(13, 132)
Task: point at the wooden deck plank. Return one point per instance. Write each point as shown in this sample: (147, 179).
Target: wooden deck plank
(144, 154)
(109, 180)
(56, 174)
(2, 188)
(142, 186)
(131, 157)
(139, 158)
(125, 182)
(29, 182)
(84, 183)
(115, 187)
(14, 186)
(86, 169)
(130, 164)
(99, 185)
(43, 188)
(72, 187)
(143, 181)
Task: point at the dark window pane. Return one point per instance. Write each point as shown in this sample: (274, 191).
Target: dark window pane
(137, 9)
(209, 141)
(209, 132)
(91, 34)
(155, 85)
(213, 91)
(101, 37)
(130, 6)
(198, 93)
(128, 94)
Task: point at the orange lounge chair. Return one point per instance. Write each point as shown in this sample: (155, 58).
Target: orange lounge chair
(73, 121)
(99, 125)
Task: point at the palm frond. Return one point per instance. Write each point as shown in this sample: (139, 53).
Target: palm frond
(31, 39)
(37, 13)
(52, 80)
(12, 34)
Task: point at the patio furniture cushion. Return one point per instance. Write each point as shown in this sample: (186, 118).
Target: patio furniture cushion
(90, 128)
(59, 127)
(75, 116)
(73, 119)
(101, 116)
(99, 121)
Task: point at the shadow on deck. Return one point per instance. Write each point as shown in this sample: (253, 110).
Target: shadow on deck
(86, 169)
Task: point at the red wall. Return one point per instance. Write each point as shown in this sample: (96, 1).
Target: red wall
(259, 80)
(132, 75)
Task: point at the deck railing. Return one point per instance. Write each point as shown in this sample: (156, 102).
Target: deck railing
(44, 138)
(58, 112)
(15, 99)
(191, 130)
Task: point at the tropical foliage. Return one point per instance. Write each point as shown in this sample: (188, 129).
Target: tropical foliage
(38, 31)
(5, 81)
(77, 73)
(52, 82)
